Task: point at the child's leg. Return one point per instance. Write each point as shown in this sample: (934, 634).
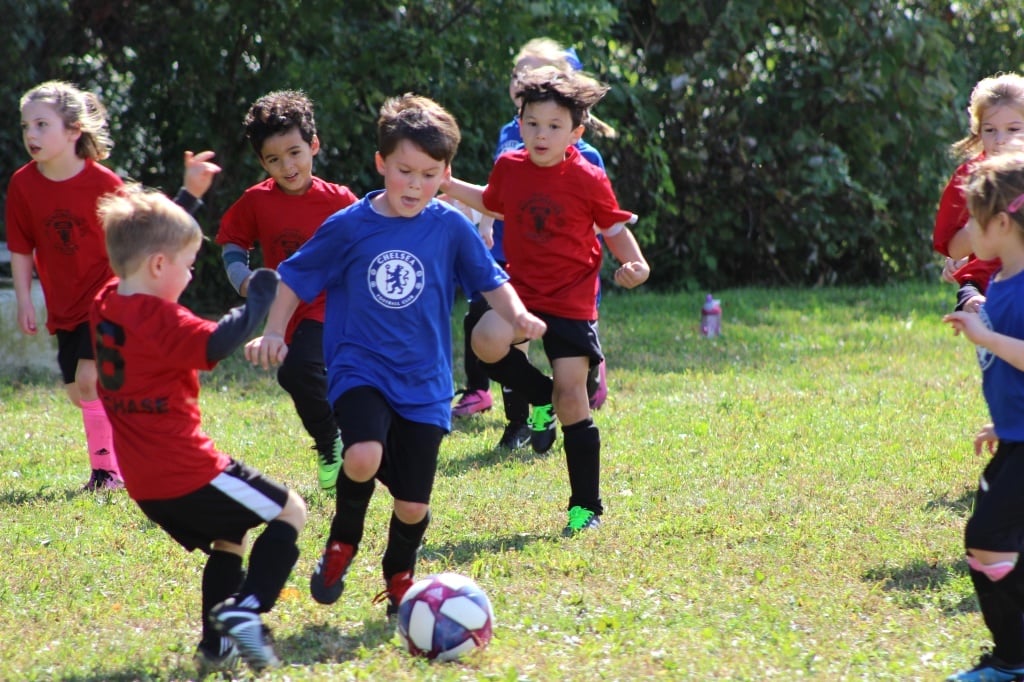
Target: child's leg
(99, 437)
(223, 576)
(507, 364)
(273, 556)
(355, 489)
(408, 525)
(581, 435)
(302, 375)
(476, 376)
(993, 536)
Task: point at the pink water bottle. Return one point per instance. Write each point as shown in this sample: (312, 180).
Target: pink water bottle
(711, 317)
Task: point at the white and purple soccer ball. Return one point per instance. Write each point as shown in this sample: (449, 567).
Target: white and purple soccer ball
(442, 617)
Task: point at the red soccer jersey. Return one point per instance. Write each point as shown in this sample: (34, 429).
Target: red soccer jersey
(554, 257)
(148, 353)
(58, 224)
(950, 218)
(281, 223)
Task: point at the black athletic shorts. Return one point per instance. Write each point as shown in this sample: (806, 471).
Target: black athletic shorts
(72, 346)
(410, 448)
(237, 500)
(567, 338)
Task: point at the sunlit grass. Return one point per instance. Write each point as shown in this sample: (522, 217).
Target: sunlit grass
(784, 502)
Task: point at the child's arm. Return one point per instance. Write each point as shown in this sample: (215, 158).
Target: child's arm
(236, 265)
(469, 194)
(986, 436)
(270, 349)
(634, 269)
(506, 302)
(1005, 347)
(21, 271)
(238, 325)
(199, 172)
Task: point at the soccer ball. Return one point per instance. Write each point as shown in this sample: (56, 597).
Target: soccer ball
(444, 616)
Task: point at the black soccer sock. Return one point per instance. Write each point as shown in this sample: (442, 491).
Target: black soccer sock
(222, 577)
(515, 371)
(271, 561)
(1002, 607)
(351, 504)
(476, 376)
(582, 443)
(404, 541)
(517, 408)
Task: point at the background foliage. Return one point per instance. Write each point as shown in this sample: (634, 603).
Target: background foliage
(761, 141)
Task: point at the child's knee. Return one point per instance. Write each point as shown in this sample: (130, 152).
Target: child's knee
(294, 512)
(362, 460)
(411, 512)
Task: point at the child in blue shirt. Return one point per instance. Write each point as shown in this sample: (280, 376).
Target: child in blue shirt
(389, 266)
(994, 535)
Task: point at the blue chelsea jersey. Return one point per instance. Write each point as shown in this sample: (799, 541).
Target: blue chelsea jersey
(1002, 383)
(390, 284)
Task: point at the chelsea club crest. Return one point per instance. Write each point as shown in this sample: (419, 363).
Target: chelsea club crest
(396, 278)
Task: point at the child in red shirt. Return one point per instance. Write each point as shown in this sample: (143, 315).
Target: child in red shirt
(551, 200)
(149, 351)
(997, 122)
(281, 214)
(52, 227)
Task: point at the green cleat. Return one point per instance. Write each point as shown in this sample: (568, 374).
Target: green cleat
(580, 519)
(329, 465)
(542, 428)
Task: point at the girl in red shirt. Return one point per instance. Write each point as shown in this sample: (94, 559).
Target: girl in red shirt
(996, 122)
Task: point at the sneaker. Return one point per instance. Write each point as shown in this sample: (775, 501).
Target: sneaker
(328, 579)
(542, 428)
(102, 479)
(472, 402)
(989, 669)
(395, 590)
(516, 436)
(245, 628)
(221, 657)
(580, 519)
(328, 465)
(600, 392)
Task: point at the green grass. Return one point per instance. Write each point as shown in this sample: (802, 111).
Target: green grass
(784, 502)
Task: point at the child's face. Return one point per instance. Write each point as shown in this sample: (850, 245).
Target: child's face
(288, 159)
(175, 272)
(411, 179)
(1000, 125)
(547, 130)
(44, 134)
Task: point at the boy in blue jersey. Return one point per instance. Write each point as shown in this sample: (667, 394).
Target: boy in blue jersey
(994, 534)
(389, 266)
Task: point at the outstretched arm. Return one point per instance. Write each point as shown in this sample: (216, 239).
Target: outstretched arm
(235, 327)
(270, 349)
(1007, 348)
(469, 194)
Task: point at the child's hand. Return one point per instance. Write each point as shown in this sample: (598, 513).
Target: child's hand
(266, 351)
(27, 319)
(199, 172)
(486, 230)
(973, 304)
(530, 326)
(986, 437)
(969, 324)
(950, 267)
(632, 274)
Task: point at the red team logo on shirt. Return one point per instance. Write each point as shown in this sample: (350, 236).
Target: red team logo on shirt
(540, 216)
(289, 242)
(62, 226)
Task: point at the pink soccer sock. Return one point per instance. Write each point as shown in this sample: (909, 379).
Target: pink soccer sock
(995, 572)
(99, 437)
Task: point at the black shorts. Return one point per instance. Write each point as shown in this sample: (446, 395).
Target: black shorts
(567, 338)
(73, 345)
(997, 524)
(410, 448)
(239, 499)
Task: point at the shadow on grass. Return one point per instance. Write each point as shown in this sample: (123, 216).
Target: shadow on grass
(922, 583)
(961, 506)
(21, 498)
(467, 551)
(456, 465)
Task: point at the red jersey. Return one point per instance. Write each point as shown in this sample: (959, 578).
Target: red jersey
(950, 218)
(57, 223)
(553, 254)
(281, 223)
(148, 353)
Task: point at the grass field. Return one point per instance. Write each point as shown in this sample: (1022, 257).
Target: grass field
(785, 502)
